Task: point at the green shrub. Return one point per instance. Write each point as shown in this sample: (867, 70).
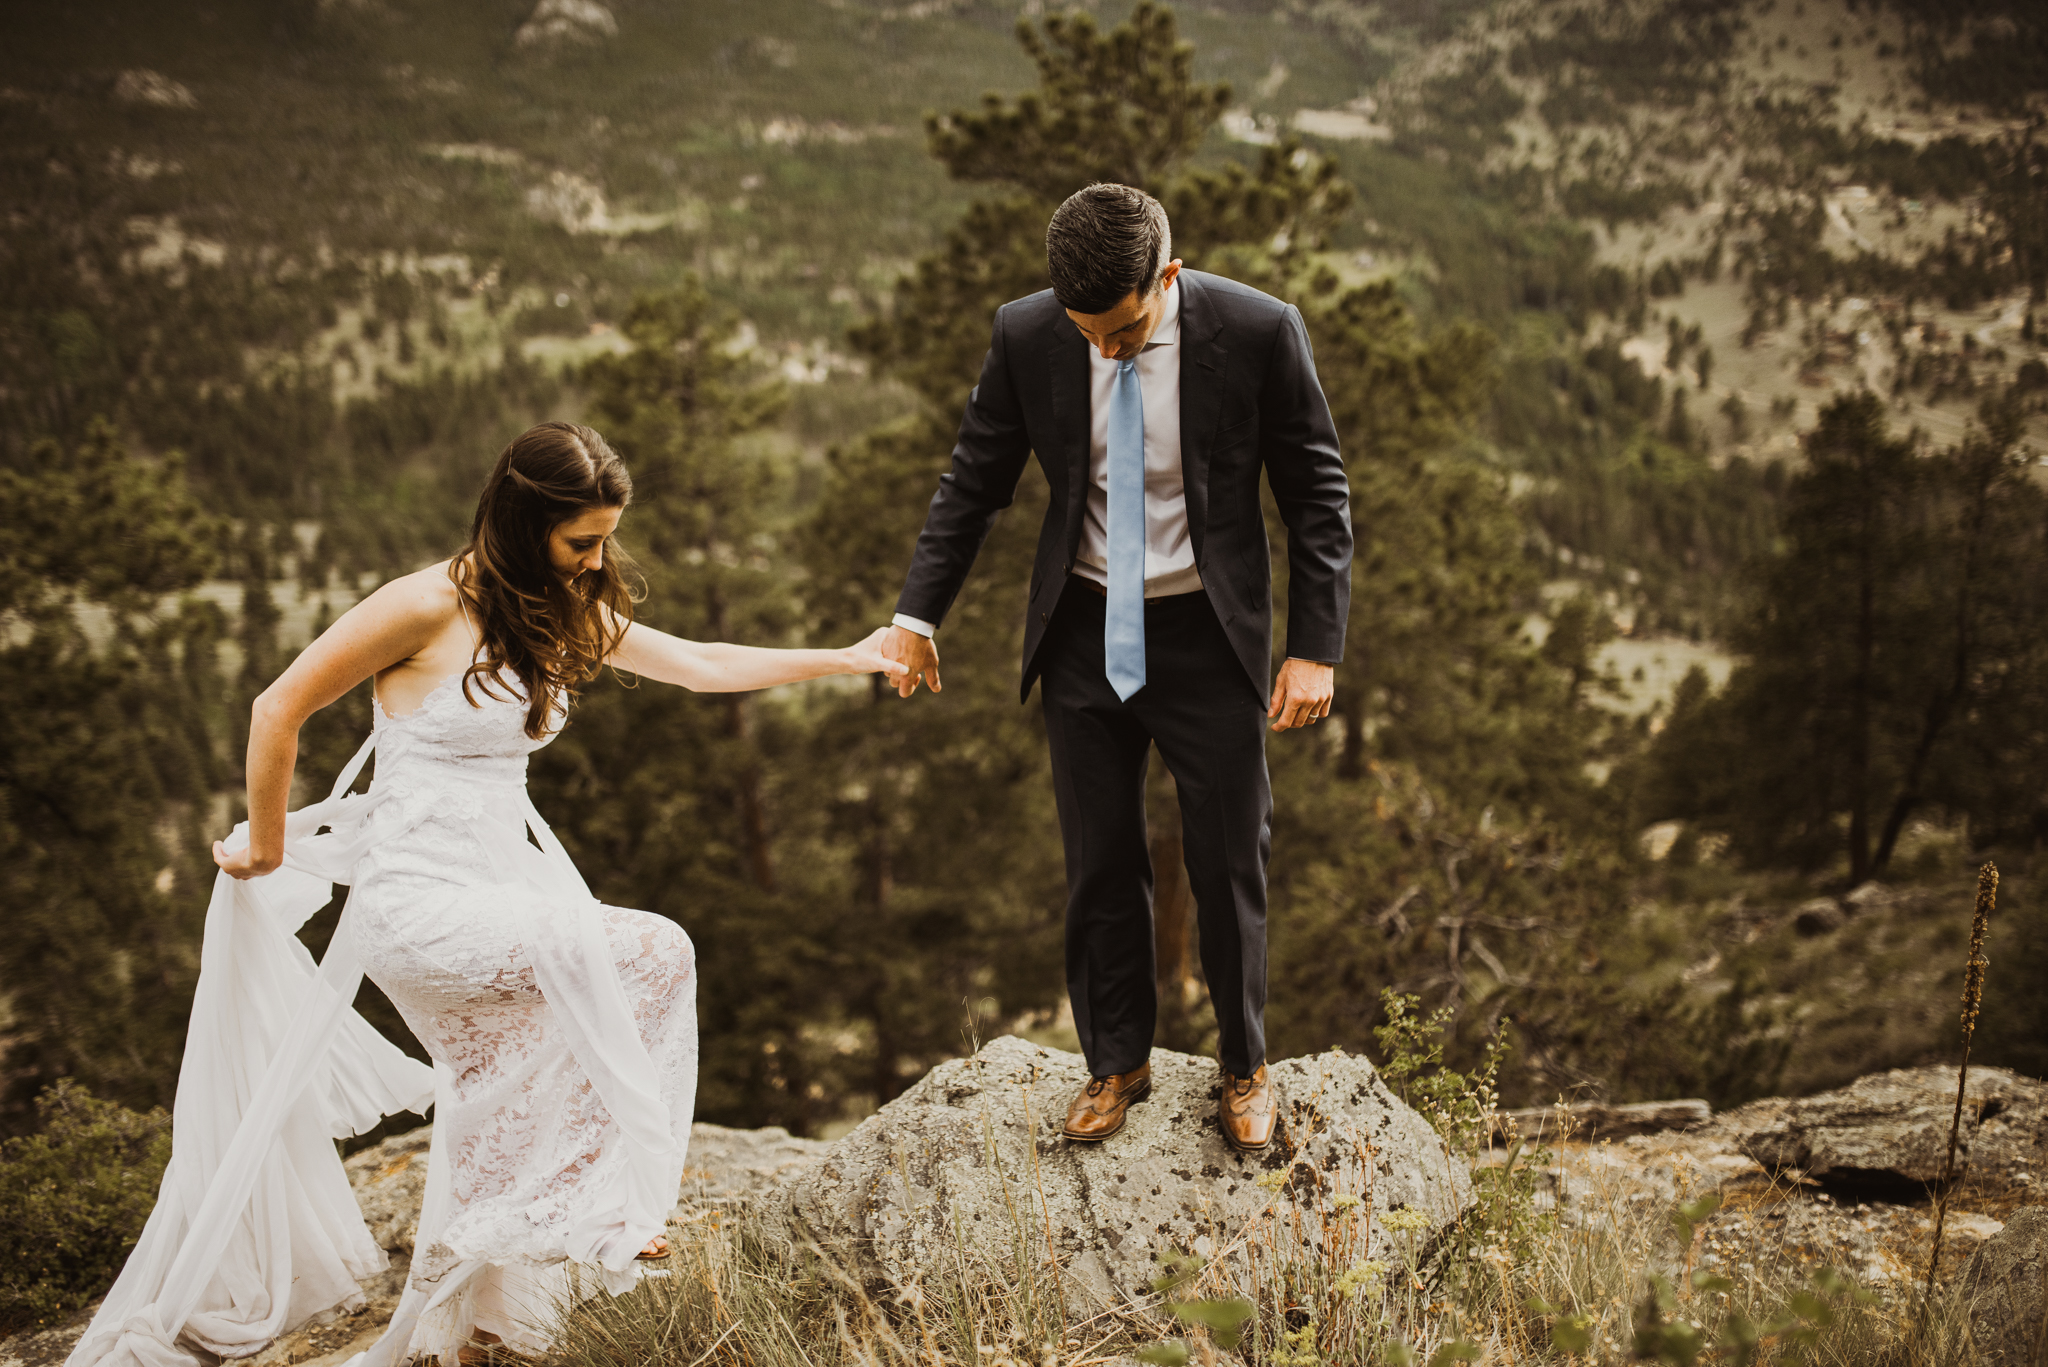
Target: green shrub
(73, 1199)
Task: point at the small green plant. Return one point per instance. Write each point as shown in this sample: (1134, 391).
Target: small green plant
(73, 1199)
(1463, 1108)
(1802, 1322)
(1568, 1333)
(1223, 1318)
(1459, 1105)
(1690, 1215)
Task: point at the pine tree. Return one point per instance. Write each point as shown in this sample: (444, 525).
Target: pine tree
(113, 746)
(674, 406)
(1895, 656)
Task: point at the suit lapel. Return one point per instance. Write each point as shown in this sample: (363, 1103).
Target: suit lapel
(1202, 358)
(1067, 364)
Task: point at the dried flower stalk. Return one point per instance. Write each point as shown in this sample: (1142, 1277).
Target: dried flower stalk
(1973, 997)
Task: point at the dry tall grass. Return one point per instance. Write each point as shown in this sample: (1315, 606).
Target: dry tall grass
(738, 1293)
(1621, 1272)
(1578, 1255)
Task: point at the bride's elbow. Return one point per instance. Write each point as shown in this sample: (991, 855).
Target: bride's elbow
(273, 713)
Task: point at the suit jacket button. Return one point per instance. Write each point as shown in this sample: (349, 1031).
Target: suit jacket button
(1042, 617)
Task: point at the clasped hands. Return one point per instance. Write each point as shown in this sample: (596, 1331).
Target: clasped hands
(1301, 693)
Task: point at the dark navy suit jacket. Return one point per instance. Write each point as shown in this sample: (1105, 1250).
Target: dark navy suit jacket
(1249, 400)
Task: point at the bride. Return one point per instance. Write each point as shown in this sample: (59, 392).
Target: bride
(563, 1032)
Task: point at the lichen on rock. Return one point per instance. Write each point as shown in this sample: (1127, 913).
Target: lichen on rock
(969, 1166)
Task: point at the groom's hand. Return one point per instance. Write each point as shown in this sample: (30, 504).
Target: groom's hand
(1301, 694)
(918, 654)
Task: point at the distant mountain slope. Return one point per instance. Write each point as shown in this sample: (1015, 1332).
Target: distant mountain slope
(1791, 184)
(1708, 215)
(775, 148)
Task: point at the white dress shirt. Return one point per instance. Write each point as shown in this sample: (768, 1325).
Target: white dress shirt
(1169, 551)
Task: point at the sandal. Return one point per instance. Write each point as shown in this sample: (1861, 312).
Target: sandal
(647, 1255)
(487, 1352)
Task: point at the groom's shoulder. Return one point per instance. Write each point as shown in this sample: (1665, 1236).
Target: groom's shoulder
(1032, 313)
(1235, 303)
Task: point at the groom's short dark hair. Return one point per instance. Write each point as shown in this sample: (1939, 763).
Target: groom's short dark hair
(1104, 243)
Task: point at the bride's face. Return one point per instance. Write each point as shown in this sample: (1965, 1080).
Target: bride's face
(577, 545)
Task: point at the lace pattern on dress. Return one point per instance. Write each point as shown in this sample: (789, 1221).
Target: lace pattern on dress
(533, 1153)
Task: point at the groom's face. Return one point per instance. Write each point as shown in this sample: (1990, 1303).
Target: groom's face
(1121, 333)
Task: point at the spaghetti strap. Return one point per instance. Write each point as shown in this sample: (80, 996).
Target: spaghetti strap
(462, 605)
(476, 639)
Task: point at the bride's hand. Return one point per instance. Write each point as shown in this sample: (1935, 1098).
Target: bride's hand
(240, 864)
(866, 657)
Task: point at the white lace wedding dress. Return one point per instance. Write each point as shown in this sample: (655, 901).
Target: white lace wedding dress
(564, 1040)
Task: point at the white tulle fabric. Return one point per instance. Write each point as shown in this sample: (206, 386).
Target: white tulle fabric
(564, 1040)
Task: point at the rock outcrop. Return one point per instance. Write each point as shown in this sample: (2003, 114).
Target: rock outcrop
(735, 1169)
(1589, 1121)
(2005, 1280)
(1888, 1129)
(970, 1165)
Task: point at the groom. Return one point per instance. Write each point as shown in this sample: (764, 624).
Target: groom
(1153, 396)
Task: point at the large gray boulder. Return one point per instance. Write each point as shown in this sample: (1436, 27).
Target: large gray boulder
(968, 1168)
(2003, 1280)
(1886, 1128)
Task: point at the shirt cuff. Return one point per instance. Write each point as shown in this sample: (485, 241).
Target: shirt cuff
(908, 623)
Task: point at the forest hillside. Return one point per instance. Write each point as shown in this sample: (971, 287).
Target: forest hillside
(1688, 356)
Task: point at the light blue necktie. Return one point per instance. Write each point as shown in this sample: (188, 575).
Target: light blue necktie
(1123, 625)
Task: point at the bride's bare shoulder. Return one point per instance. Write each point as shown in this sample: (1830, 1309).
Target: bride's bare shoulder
(423, 599)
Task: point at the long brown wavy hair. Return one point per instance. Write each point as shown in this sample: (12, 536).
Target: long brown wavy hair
(554, 633)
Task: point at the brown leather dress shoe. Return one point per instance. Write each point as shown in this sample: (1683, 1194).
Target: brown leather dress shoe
(1098, 1110)
(1248, 1110)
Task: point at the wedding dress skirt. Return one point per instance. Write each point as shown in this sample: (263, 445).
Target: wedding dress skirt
(564, 1041)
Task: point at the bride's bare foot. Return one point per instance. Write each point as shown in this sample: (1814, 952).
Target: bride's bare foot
(657, 1247)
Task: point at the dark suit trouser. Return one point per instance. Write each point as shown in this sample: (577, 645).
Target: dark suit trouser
(1210, 726)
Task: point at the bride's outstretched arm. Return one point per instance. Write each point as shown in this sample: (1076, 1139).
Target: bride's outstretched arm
(390, 625)
(717, 667)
